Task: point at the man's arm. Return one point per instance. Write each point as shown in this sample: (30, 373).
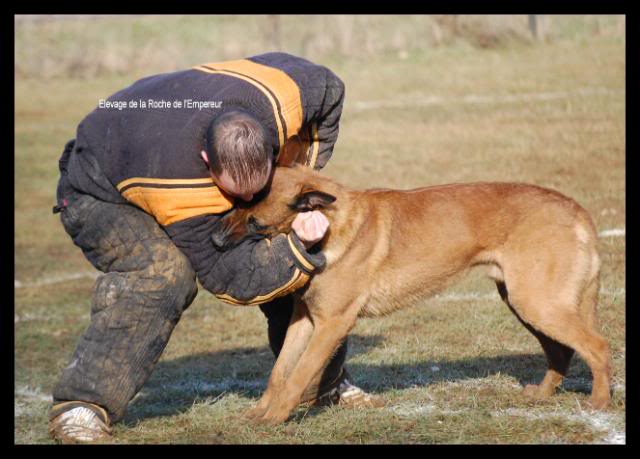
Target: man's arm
(323, 130)
(254, 272)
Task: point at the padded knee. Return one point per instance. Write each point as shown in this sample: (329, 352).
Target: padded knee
(171, 267)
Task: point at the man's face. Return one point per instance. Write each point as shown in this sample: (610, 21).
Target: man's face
(224, 181)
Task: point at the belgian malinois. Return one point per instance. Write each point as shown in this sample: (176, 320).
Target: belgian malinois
(388, 248)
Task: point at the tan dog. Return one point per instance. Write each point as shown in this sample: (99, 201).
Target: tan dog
(386, 249)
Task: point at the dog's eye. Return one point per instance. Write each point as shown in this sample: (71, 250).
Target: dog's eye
(254, 226)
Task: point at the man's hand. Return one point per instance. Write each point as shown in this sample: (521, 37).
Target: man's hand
(310, 227)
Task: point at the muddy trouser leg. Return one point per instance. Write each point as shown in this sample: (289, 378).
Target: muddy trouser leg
(146, 285)
(278, 313)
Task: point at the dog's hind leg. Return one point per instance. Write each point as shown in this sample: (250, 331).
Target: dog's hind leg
(558, 355)
(561, 328)
(553, 286)
(600, 392)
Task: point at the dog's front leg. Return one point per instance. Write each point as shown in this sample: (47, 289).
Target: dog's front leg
(327, 335)
(296, 339)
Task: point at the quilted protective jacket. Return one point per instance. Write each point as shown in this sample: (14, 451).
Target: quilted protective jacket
(142, 146)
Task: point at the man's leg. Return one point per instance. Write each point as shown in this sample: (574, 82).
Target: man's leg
(136, 304)
(334, 385)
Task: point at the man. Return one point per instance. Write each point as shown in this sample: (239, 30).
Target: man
(141, 190)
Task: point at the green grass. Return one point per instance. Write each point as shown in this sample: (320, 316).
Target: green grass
(451, 368)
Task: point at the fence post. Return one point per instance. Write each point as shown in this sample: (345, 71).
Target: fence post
(537, 26)
(533, 25)
(273, 31)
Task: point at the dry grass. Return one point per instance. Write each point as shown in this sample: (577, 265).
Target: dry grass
(49, 47)
(451, 368)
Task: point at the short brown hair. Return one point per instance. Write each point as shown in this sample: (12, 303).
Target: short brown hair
(237, 143)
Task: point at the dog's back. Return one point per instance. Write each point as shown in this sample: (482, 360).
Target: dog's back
(436, 233)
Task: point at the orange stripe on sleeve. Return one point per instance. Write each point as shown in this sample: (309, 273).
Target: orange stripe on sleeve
(171, 205)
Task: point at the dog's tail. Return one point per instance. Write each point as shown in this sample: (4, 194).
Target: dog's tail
(587, 236)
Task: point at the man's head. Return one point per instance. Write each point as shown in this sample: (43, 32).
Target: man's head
(238, 154)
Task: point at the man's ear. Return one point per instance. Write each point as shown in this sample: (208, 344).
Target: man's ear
(311, 200)
(205, 157)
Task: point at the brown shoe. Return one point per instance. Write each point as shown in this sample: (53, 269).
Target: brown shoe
(78, 422)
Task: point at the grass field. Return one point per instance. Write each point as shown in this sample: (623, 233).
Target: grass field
(450, 369)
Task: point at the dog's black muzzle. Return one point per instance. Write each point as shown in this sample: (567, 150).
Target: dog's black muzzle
(225, 237)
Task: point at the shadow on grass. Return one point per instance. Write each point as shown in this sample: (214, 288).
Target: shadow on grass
(177, 384)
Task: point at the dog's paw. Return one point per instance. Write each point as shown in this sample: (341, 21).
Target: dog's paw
(273, 417)
(599, 403)
(536, 391)
(254, 413)
(530, 390)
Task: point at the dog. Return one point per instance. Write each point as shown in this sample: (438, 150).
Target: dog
(386, 249)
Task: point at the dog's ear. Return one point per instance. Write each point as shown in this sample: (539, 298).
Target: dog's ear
(310, 200)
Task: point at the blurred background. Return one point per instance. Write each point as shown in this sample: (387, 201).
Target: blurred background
(430, 99)
(89, 46)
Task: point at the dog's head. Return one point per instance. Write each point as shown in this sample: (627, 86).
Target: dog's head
(291, 190)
